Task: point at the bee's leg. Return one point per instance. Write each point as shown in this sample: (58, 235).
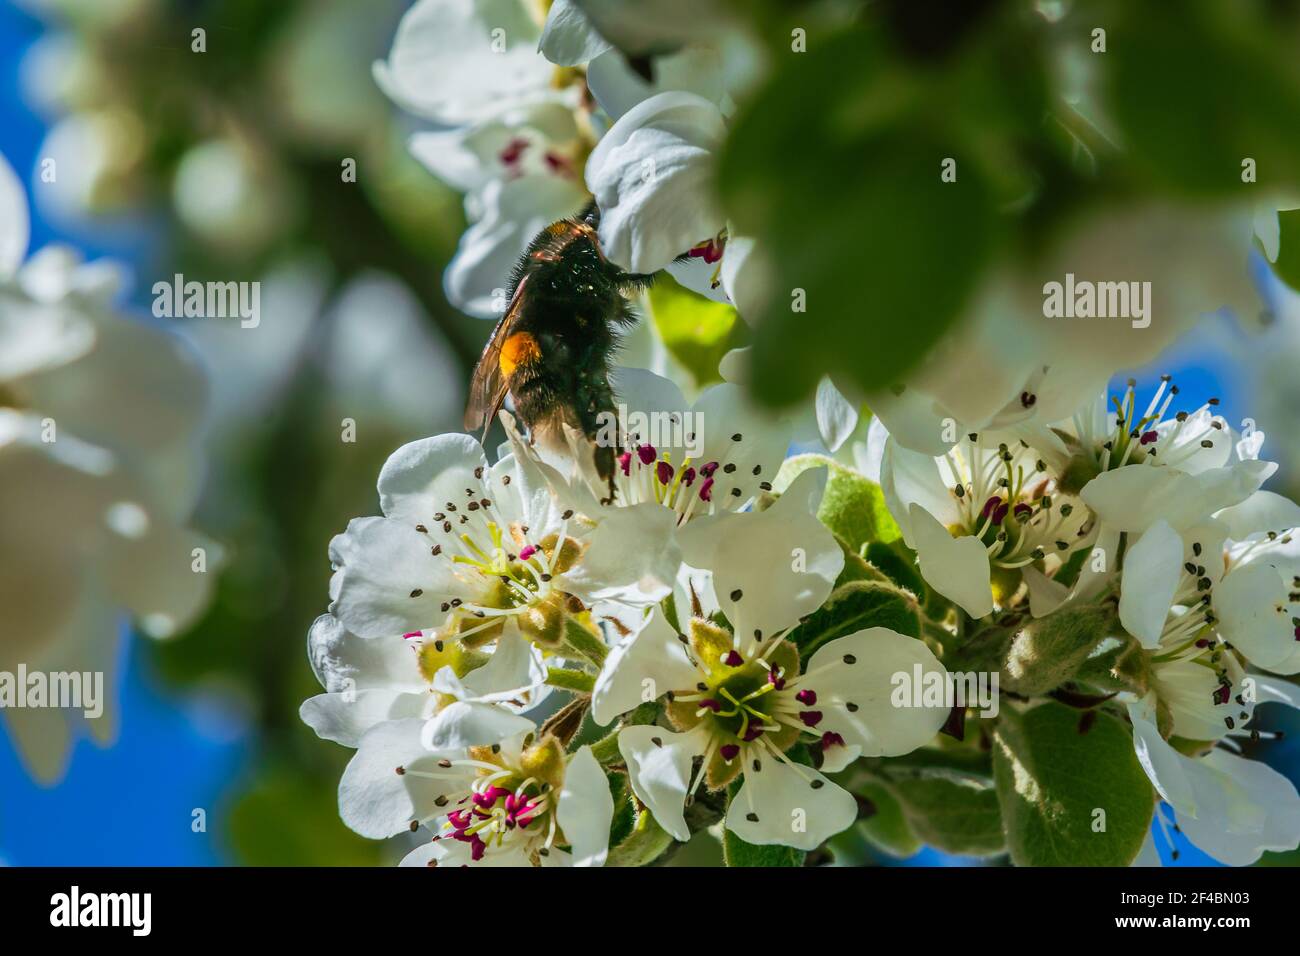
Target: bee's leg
(604, 456)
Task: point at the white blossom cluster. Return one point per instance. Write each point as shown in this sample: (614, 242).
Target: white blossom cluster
(671, 616)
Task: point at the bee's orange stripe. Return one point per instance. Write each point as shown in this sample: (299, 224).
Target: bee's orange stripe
(519, 349)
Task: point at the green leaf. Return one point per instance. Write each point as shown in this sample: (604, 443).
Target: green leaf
(887, 828)
(854, 607)
(955, 813)
(737, 852)
(867, 255)
(290, 817)
(1070, 798)
(852, 506)
(1287, 267)
(696, 331)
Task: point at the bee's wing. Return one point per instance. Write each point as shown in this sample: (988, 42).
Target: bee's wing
(488, 387)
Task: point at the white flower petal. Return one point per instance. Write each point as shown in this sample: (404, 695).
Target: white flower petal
(770, 568)
(659, 770)
(884, 723)
(1134, 497)
(1262, 511)
(585, 809)
(910, 478)
(1182, 781)
(457, 853)
(745, 277)
(457, 61)
(631, 557)
(387, 582)
(1268, 227)
(421, 477)
(35, 337)
(958, 568)
(344, 718)
(1253, 606)
(836, 416)
(726, 411)
(652, 654)
(375, 800)
(651, 175)
(1152, 570)
(1276, 690)
(914, 419)
(1263, 812)
(618, 88)
(568, 38)
(779, 805)
(463, 724)
(343, 661)
(515, 670)
(139, 389)
(641, 390)
(153, 574)
(1045, 594)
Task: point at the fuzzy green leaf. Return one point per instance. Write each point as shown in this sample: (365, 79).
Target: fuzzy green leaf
(1051, 650)
(897, 562)
(912, 245)
(1070, 798)
(854, 607)
(852, 506)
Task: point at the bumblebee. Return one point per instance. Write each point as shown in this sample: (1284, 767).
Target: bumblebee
(552, 348)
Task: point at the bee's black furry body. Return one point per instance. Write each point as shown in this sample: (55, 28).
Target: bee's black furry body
(553, 348)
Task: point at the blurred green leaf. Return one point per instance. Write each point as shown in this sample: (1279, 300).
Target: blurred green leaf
(696, 331)
(1199, 86)
(290, 819)
(955, 813)
(1287, 267)
(1054, 783)
(871, 255)
(887, 828)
